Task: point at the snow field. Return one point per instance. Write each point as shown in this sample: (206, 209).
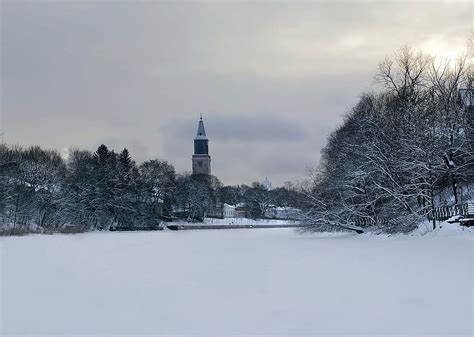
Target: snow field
(265, 282)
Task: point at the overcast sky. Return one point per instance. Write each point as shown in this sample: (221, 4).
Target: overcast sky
(271, 79)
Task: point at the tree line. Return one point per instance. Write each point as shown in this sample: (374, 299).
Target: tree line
(401, 151)
(103, 189)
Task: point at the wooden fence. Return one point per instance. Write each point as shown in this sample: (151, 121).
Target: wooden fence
(445, 212)
(367, 222)
(441, 214)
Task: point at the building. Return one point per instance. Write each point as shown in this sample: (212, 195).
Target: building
(242, 211)
(467, 98)
(287, 213)
(235, 211)
(267, 184)
(201, 158)
(228, 211)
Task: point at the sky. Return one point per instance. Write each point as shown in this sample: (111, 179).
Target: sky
(271, 79)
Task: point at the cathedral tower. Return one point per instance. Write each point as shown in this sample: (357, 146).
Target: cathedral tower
(201, 157)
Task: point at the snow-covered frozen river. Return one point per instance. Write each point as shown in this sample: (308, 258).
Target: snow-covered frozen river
(265, 282)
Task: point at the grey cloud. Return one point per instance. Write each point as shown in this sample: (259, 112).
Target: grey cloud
(272, 79)
(244, 129)
(259, 129)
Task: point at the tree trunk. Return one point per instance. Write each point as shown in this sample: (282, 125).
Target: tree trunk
(433, 215)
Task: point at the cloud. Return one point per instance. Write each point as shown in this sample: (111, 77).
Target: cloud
(272, 79)
(244, 129)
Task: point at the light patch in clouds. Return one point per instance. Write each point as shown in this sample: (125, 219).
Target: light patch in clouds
(444, 51)
(307, 38)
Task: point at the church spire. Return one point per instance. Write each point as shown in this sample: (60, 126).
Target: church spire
(201, 132)
(201, 157)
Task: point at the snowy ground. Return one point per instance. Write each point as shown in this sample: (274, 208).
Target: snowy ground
(254, 282)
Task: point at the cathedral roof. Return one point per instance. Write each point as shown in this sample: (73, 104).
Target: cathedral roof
(201, 132)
